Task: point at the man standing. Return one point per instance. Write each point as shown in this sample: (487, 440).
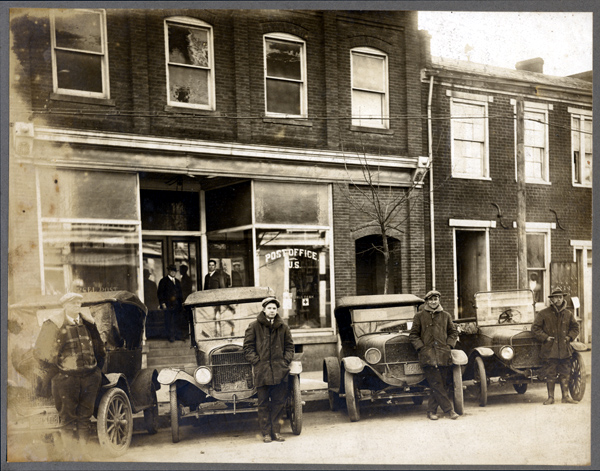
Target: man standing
(268, 345)
(171, 300)
(70, 351)
(433, 335)
(556, 327)
(214, 278)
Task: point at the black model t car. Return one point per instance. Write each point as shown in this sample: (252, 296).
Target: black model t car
(222, 383)
(502, 349)
(376, 359)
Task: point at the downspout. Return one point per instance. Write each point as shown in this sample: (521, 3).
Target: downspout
(430, 155)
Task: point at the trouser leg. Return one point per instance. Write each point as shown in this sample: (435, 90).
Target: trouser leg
(264, 410)
(88, 391)
(169, 327)
(278, 399)
(550, 386)
(436, 377)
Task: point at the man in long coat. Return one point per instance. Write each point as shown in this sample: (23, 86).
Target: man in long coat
(269, 347)
(556, 327)
(433, 334)
(170, 298)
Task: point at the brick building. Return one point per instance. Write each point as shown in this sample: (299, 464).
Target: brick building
(143, 138)
(474, 179)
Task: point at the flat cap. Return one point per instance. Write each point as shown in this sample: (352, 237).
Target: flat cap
(432, 293)
(269, 300)
(557, 292)
(67, 298)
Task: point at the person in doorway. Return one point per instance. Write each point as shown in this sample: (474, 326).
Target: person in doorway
(170, 298)
(236, 275)
(187, 287)
(214, 279)
(433, 334)
(70, 354)
(269, 347)
(535, 287)
(556, 328)
(150, 292)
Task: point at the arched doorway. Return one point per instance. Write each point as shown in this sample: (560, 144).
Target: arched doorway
(370, 266)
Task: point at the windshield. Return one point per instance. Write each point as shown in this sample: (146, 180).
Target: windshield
(386, 319)
(224, 320)
(504, 307)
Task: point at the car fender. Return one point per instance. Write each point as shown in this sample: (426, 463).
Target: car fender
(141, 388)
(484, 351)
(295, 367)
(459, 357)
(114, 379)
(579, 346)
(353, 364)
(171, 375)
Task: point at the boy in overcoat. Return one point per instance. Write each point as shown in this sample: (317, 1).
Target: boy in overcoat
(269, 347)
(556, 327)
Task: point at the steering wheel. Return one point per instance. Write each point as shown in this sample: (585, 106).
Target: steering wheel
(510, 316)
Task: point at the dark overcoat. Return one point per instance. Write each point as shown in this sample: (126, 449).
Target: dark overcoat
(170, 293)
(557, 323)
(433, 334)
(270, 349)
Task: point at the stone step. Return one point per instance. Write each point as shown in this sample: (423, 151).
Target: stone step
(159, 365)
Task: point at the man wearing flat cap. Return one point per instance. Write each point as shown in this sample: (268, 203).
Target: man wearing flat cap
(269, 347)
(556, 327)
(70, 352)
(433, 334)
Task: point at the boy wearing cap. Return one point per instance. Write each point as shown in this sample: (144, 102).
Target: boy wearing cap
(433, 334)
(269, 347)
(556, 327)
(70, 351)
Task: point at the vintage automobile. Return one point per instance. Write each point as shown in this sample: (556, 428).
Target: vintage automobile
(126, 388)
(502, 349)
(222, 382)
(376, 359)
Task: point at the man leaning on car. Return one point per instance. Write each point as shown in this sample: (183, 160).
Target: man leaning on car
(433, 334)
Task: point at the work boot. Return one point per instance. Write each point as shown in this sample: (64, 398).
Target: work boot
(453, 415)
(564, 389)
(267, 438)
(278, 438)
(550, 386)
(432, 416)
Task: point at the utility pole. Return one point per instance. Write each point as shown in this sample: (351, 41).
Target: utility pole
(521, 198)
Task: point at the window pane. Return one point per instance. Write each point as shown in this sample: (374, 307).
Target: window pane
(291, 203)
(284, 59)
(188, 85)
(283, 97)
(233, 253)
(76, 29)
(536, 249)
(468, 122)
(188, 45)
(227, 207)
(77, 71)
(170, 210)
(536, 284)
(368, 72)
(366, 104)
(534, 161)
(468, 158)
(535, 130)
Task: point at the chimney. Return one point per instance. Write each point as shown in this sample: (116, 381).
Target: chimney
(531, 65)
(425, 43)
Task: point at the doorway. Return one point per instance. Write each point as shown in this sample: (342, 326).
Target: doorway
(370, 266)
(471, 269)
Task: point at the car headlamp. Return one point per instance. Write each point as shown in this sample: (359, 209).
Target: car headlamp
(202, 375)
(506, 353)
(373, 355)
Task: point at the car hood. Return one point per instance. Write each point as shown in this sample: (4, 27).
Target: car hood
(379, 340)
(507, 334)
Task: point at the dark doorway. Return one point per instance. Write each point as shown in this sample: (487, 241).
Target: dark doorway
(370, 266)
(471, 269)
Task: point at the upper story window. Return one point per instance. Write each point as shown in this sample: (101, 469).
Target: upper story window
(469, 138)
(79, 52)
(581, 144)
(285, 75)
(190, 63)
(369, 88)
(535, 140)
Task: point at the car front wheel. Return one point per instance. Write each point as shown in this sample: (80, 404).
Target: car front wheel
(480, 378)
(459, 405)
(115, 422)
(352, 397)
(295, 405)
(174, 413)
(151, 414)
(577, 381)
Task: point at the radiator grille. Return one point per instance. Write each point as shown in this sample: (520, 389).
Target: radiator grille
(400, 352)
(526, 356)
(231, 372)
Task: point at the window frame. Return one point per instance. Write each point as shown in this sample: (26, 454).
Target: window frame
(454, 101)
(583, 116)
(544, 229)
(103, 62)
(285, 37)
(542, 108)
(194, 23)
(372, 123)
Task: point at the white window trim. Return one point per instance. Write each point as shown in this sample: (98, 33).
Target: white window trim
(386, 102)
(546, 229)
(583, 115)
(104, 62)
(486, 157)
(580, 245)
(303, 81)
(185, 21)
(535, 107)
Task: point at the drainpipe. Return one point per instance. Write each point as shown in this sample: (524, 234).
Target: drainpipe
(430, 152)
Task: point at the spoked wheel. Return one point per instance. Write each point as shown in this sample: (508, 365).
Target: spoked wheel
(459, 405)
(333, 382)
(174, 412)
(115, 422)
(352, 396)
(520, 388)
(294, 407)
(480, 378)
(151, 414)
(577, 381)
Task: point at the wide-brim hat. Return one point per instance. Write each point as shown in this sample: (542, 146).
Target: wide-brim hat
(270, 300)
(557, 292)
(67, 298)
(172, 268)
(432, 293)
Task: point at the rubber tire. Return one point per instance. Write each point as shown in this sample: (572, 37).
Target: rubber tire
(459, 404)
(151, 413)
(174, 413)
(479, 372)
(577, 382)
(115, 438)
(295, 405)
(334, 397)
(352, 402)
(520, 388)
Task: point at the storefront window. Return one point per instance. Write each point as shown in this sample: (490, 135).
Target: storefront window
(233, 253)
(295, 264)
